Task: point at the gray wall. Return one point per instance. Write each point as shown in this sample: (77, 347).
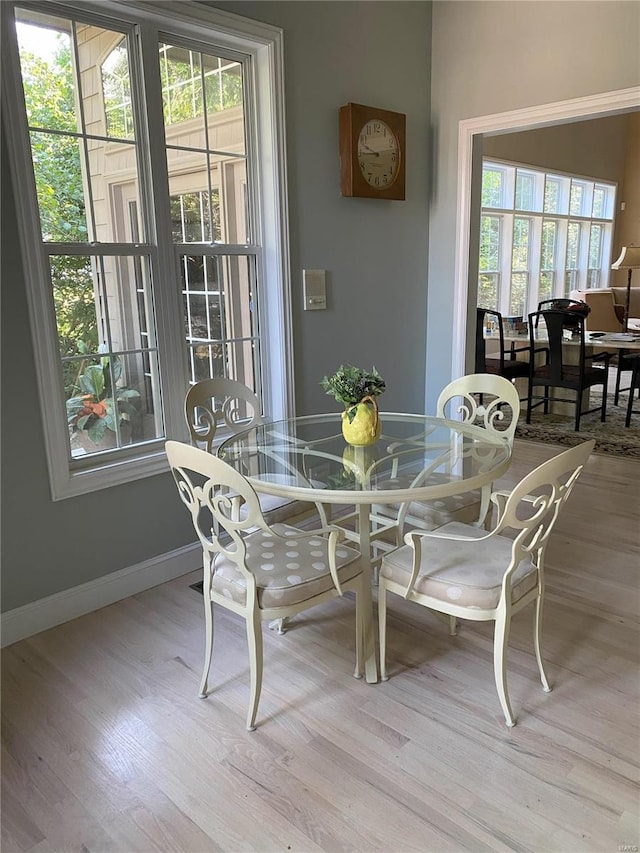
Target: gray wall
(375, 252)
(596, 148)
(490, 57)
(374, 53)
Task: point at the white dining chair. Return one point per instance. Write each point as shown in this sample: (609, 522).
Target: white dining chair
(468, 573)
(219, 403)
(488, 401)
(484, 399)
(261, 572)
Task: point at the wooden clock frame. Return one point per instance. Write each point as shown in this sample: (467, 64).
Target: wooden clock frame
(353, 117)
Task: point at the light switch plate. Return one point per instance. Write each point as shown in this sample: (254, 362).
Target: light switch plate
(314, 284)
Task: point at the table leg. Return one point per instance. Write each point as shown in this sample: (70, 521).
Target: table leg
(370, 664)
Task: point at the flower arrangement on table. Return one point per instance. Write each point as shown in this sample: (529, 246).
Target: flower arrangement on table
(99, 409)
(357, 390)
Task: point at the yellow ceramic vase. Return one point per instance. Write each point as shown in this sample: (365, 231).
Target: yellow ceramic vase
(360, 423)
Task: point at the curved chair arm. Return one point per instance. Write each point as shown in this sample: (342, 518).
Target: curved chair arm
(334, 537)
(236, 503)
(540, 349)
(413, 536)
(513, 350)
(601, 356)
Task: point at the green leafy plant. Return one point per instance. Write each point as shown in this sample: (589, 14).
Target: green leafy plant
(349, 384)
(97, 408)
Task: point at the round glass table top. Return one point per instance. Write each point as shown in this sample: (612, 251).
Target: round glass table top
(416, 457)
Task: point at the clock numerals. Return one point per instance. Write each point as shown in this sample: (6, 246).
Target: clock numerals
(372, 152)
(377, 153)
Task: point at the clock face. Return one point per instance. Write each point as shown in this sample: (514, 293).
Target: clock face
(378, 154)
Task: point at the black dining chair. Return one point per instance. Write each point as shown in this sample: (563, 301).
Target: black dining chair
(557, 371)
(503, 362)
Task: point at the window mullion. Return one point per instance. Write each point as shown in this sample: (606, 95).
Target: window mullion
(171, 350)
(535, 259)
(583, 256)
(605, 256)
(561, 257)
(506, 259)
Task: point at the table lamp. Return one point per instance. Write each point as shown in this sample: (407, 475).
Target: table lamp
(629, 260)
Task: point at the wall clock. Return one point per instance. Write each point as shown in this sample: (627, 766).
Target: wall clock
(372, 152)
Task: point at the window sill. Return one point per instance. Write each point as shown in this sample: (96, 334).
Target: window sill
(112, 471)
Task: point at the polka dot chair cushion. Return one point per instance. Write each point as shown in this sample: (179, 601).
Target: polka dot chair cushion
(468, 574)
(429, 515)
(465, 508)
(288, 570)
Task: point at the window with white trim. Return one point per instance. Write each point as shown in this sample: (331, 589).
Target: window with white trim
(542, 235)
(148, 158)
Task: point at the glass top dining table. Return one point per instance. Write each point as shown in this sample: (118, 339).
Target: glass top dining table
(417, 457)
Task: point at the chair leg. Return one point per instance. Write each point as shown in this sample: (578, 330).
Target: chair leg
(537, 634)
(382, 629)
(485, 501)
(632, 389)
(254, 641)
(323, 514)
(578, 408)
(359, 634)
(208, 621)
(529, 401)
(500, 641)
(616, 393)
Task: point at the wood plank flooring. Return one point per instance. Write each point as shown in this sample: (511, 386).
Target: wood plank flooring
(107, 747)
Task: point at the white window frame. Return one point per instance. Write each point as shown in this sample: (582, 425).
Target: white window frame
(509, 213)
(263, 45)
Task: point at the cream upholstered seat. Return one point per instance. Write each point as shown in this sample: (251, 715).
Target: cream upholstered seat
(467, 573)
(260, 572)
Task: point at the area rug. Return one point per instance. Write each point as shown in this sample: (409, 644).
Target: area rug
(611, 436)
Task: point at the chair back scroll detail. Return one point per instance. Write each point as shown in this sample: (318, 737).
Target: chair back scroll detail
(215, 501)
(217, 402)
(473, 410)
(533, 505)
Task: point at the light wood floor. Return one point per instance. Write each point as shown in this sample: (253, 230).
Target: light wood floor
(107, 747)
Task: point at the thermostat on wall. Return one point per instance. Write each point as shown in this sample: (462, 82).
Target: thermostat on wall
(315, 290)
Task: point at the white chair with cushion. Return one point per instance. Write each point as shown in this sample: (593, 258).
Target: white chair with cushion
(227, 405)
(258, 571)
(490, 402)
(467, 573)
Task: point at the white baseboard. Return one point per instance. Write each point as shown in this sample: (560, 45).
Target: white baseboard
(71, 603)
